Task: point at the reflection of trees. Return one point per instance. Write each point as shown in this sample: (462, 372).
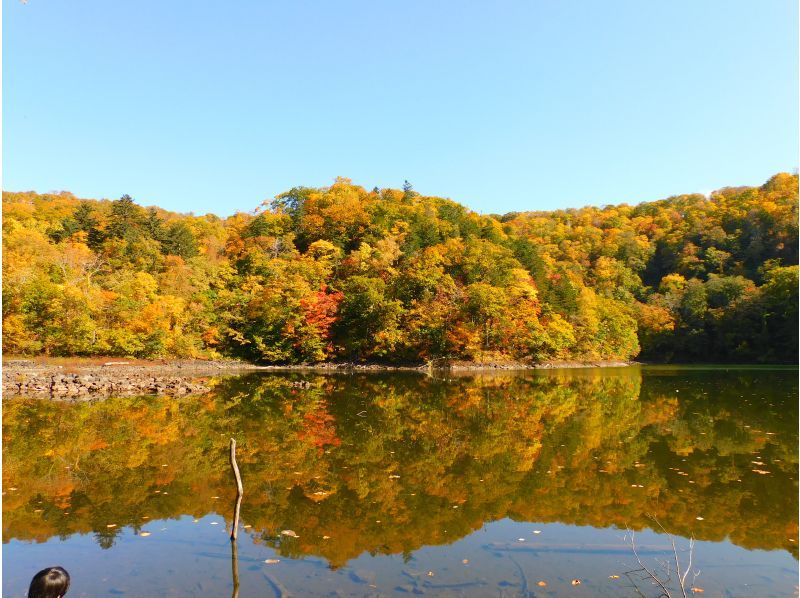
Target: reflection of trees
(390, 463)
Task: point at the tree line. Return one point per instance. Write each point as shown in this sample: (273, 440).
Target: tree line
(387, 275)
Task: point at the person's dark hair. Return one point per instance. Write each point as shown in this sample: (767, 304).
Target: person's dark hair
(49, 583)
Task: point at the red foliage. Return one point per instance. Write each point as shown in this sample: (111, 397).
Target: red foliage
(320, 310)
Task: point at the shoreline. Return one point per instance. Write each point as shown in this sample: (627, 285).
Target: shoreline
(114, 365)
(87, 378)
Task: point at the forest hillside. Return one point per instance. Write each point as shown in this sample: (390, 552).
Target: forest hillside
(345, 273)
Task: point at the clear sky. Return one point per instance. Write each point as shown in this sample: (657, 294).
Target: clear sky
(510, 105)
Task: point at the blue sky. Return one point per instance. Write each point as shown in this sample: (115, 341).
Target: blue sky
(537, 104)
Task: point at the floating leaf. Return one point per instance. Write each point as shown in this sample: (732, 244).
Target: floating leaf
(215, 523)
(110, 525)
(613, 576)
(541, 584)
(272, 561)
(698, 590)
(537, 531)
(576, 582)
(431, 574)
(465, 561)
(290, 533)
(144, 534)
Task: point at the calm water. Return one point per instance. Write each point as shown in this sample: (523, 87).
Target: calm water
(472, 485)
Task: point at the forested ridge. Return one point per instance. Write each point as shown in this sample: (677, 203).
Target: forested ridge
(344, 273)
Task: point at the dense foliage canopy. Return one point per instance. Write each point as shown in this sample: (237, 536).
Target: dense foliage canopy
(389, 275)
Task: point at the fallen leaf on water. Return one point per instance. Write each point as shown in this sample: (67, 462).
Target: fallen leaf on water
(272, 561)
(760, 471)
(537, 531)
(215, 523)
(698, 590)
(144, 534)
(290, 533)
(699, 518)
(465, 561)
(326, 537)
(110, 525)
(613, 576)
(541, 584)
(431, 573)
(576, 582)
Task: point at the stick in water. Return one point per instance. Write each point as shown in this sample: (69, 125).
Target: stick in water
(239, 492)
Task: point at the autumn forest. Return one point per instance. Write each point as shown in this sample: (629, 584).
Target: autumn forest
(392, 276)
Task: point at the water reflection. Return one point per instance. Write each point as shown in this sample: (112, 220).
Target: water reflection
(386, 464)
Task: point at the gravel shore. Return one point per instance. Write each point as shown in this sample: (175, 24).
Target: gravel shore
(87, 378)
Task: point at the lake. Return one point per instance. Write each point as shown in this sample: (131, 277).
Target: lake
(509, 484)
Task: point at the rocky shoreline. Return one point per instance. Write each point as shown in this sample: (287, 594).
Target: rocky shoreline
(77, 386)
(86, 379)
